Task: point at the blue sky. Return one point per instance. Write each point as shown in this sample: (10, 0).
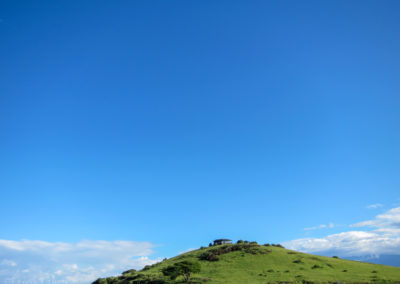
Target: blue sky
(171, 123)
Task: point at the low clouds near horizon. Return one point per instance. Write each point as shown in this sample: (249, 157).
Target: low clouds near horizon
(378, 236)
(81, 262)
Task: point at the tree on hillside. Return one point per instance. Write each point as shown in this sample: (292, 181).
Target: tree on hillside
(183, 268)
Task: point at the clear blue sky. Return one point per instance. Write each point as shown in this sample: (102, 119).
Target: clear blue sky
(177, 122)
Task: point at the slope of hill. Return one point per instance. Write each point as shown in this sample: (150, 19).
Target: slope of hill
(252, 263)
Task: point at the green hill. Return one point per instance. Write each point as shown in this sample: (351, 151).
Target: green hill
(252, 263)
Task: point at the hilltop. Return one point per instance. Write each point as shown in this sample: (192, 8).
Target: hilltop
(253, 263)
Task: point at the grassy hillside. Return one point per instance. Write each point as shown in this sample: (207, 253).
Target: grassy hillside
(252, 263)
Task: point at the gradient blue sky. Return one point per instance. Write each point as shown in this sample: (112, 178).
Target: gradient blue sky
(177, 122)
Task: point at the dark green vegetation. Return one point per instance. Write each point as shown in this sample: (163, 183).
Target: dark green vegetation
(183, 268)
(246, 262)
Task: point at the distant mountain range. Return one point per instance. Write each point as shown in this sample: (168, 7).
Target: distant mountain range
(388, 259)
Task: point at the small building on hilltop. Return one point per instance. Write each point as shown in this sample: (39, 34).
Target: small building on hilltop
(222, 241)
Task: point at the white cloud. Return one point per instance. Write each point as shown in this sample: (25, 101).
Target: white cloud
(375, 206)
(353, 243)
(7, 262)
(364, 223)
(82, 262)
(187, 250)
(380, 235)
(323, 226)
(389, 219)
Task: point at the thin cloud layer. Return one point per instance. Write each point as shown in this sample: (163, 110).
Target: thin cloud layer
(322, 226)
(375, 206)
(378, 236)
(387, 223)
(82, 262)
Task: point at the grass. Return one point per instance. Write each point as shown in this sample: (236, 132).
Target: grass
(261, 264)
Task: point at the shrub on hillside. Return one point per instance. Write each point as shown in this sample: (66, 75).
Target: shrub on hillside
(144, 279)
(209, 256)
(212, 254)
(147, 267)
(100, 281)
(130, 271)
(183, 268)
(132, 279)
(240, 242)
